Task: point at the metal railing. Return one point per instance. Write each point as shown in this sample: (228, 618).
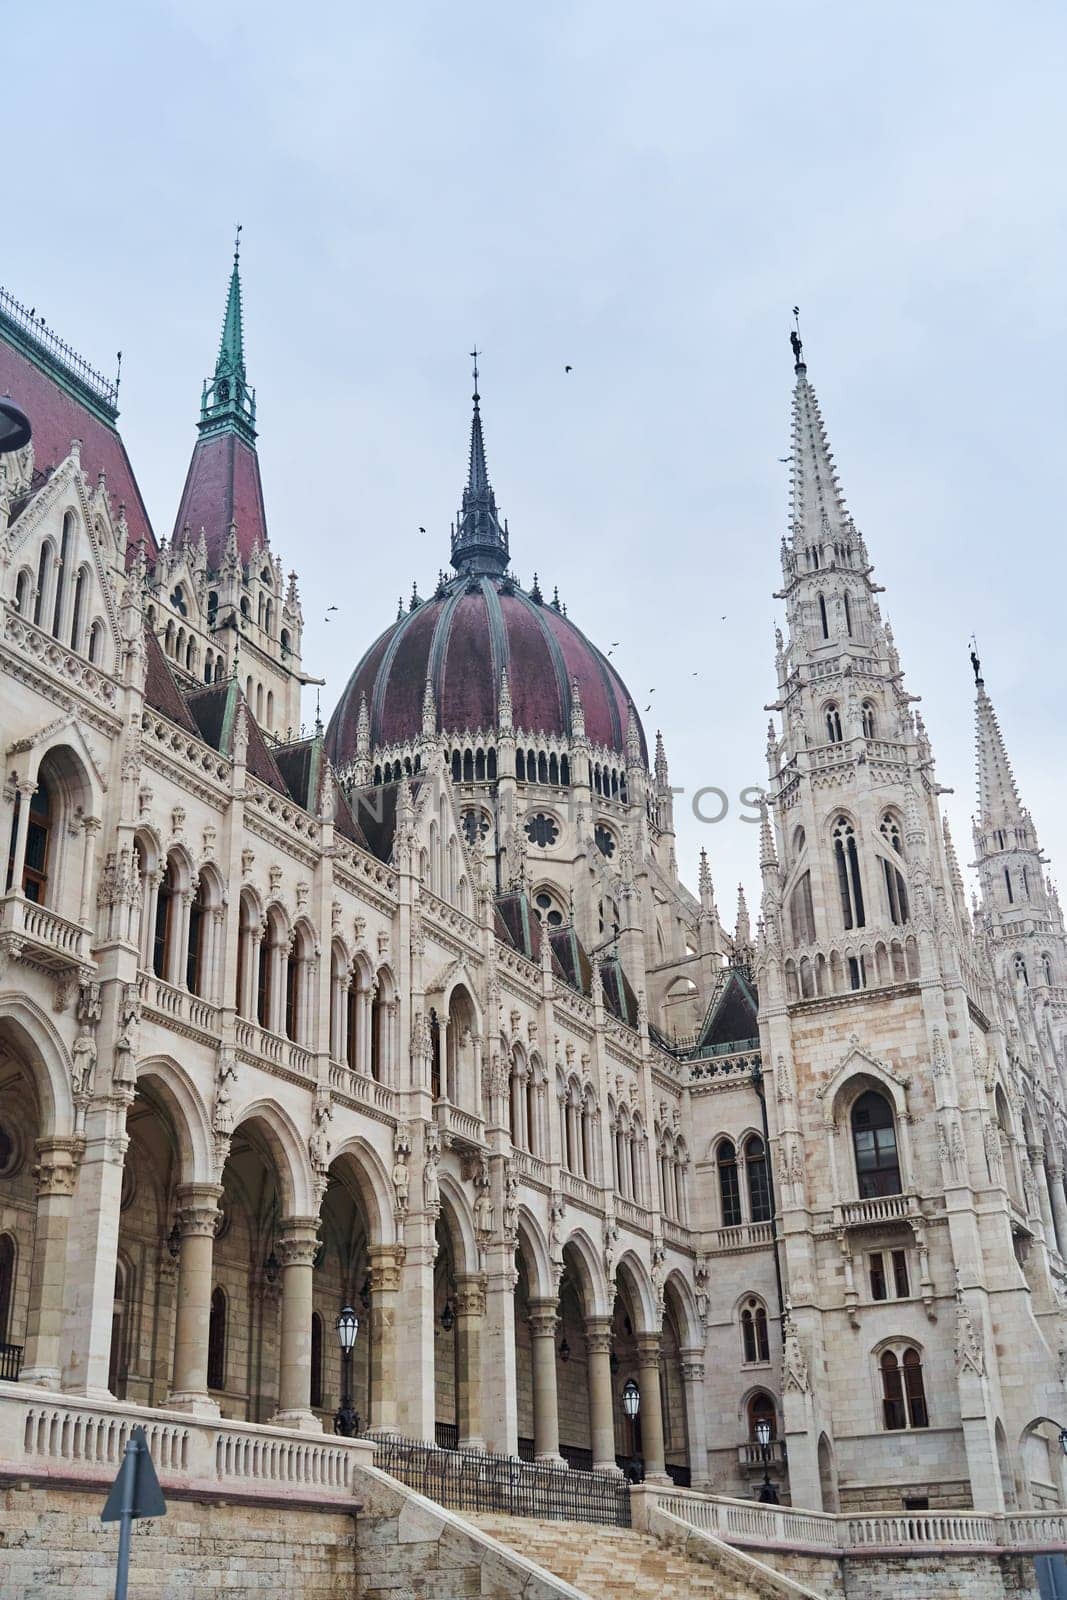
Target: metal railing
(10, 1361)
(36, 331)
(467, 1480)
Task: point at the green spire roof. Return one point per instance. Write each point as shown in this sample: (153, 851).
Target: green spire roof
(228, 405)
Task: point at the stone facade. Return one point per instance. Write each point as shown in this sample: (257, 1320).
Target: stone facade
(278, 1038)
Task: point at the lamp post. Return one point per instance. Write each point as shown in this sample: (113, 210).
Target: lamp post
(346, 1419)
(768, 1494)
(15, 428)
(1063, 1440)
(631, 1405)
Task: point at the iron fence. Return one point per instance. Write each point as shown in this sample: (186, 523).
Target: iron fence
(10, 1361)
(467, 1480)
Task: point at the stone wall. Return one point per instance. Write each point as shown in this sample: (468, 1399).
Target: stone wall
(52, 1541)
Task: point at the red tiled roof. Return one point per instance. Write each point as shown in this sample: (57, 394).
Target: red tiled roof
(57, 418)
(223, 486)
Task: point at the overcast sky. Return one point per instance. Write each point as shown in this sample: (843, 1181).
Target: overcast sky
(642, 192)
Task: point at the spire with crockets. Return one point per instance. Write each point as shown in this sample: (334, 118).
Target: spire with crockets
(1009, 860)
(227, 403)
(479, 537)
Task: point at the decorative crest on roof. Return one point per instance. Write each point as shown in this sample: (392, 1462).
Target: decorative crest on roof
(479, 538)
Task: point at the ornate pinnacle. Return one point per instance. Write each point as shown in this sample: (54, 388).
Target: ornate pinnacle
(577, 711)
(743, 934)
(633, 739)
(429, 710)
(663, 781)
(363, 728)
(768, 856)
(504, 707)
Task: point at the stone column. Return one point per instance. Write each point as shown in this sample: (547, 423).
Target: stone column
(91, 827)
(26, 792)
(383, 1381)
(55, 1174)
(499, 1379)
(696, 1431)
(601, 1411)
(470, 1311)
(198, 1215)
(298, 1245)
(1059, 1206)
(92, 1252)
(648, 1357)
(546, 1409)
(1044, 1199)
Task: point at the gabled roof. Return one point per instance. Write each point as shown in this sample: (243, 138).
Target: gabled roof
(161, 690)
(732, 1014)
(223, 485)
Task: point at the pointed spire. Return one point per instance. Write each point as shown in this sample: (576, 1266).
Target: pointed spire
(768, 855)
(704, 883)
(743, 934)
(479, 538)
(228, 405)
(819, 515)
(998, 798)
(663, 780)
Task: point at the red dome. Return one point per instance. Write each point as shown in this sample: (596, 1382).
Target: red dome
(464, 639)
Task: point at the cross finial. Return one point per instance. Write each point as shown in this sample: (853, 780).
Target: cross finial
(237, 245)
(475, 353)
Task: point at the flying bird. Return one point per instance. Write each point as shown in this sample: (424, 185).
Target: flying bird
(785, 460)
(326, 618)
(568, 369)
(649, 707)
(421, 528)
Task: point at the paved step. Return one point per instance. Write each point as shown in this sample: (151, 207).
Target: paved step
(612, 1563)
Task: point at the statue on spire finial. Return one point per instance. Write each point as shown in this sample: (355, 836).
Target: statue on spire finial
(975, 663)
(237, 244)
(795, 340)
(475, 353)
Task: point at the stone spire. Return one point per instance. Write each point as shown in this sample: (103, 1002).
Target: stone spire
(505, 713)
(818, 513)
(743, 933)
(227, 404)
(577, 712)
(1010, 864)
(768, 855)
(663, 780)
(429, 710)
(363, 728)
(479, 538)
(633, 739)
(998, 798)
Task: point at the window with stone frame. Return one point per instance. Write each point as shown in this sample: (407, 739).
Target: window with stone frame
(903, 1390)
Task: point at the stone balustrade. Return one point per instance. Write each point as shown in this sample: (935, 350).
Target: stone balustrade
(43, 936)
(744, 1236)
(41, 1433)
(171, 1004)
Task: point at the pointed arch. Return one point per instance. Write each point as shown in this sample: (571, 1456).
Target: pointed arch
(296, 1181)
(633, 1275)
(42, 1050)
(166, 1080)
(680, 1291)
(458, 1219)
(357, 1158)
(597, 1295)
(533, 1247)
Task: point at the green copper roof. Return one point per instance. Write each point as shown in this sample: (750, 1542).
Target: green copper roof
(228, 405)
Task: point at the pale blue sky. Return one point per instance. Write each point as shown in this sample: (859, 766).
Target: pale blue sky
(640, 191)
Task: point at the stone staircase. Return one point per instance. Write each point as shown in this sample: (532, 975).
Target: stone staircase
(618, 1563)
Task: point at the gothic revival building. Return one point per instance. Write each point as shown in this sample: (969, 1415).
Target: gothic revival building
(415, 1013)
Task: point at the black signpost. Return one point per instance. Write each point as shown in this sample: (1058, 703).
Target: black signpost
(134, 1493)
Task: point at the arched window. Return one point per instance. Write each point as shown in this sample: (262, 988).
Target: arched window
(760, 1408)
(848, 614)
(216, 1341)
(316, 1360)
(754, 1342)
(23, 591)
(66, 540)
(874, 1140)
(867, 717)
(1021, 973)
(167, 904)
(833, 723)
(7, 1285)
(77, 621)
(44, 575)
(822, 617)
(729, 1188)
(903, 1395)
(758, 1179)
(96, 643)
(802, 912)
(195, 976)
(1046, 962)
(846, 857)
(896, 890)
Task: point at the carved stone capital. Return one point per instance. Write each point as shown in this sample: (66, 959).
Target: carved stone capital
(470, 1295)
(598, 1335)
(648, 1349)
(298, 1241)
(543, 1319)
(57, 1167)
(198, 1209)
(386, 1265)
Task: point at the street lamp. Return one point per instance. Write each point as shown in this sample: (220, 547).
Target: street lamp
(346, 1420)
(631, 1404)
(768, 1493)
(15, 428)
(1063, 1440)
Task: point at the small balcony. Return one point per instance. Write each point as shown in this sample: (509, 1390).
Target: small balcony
(34, 933)
(10, 1362)
(879, 1209)
(458, 1128)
